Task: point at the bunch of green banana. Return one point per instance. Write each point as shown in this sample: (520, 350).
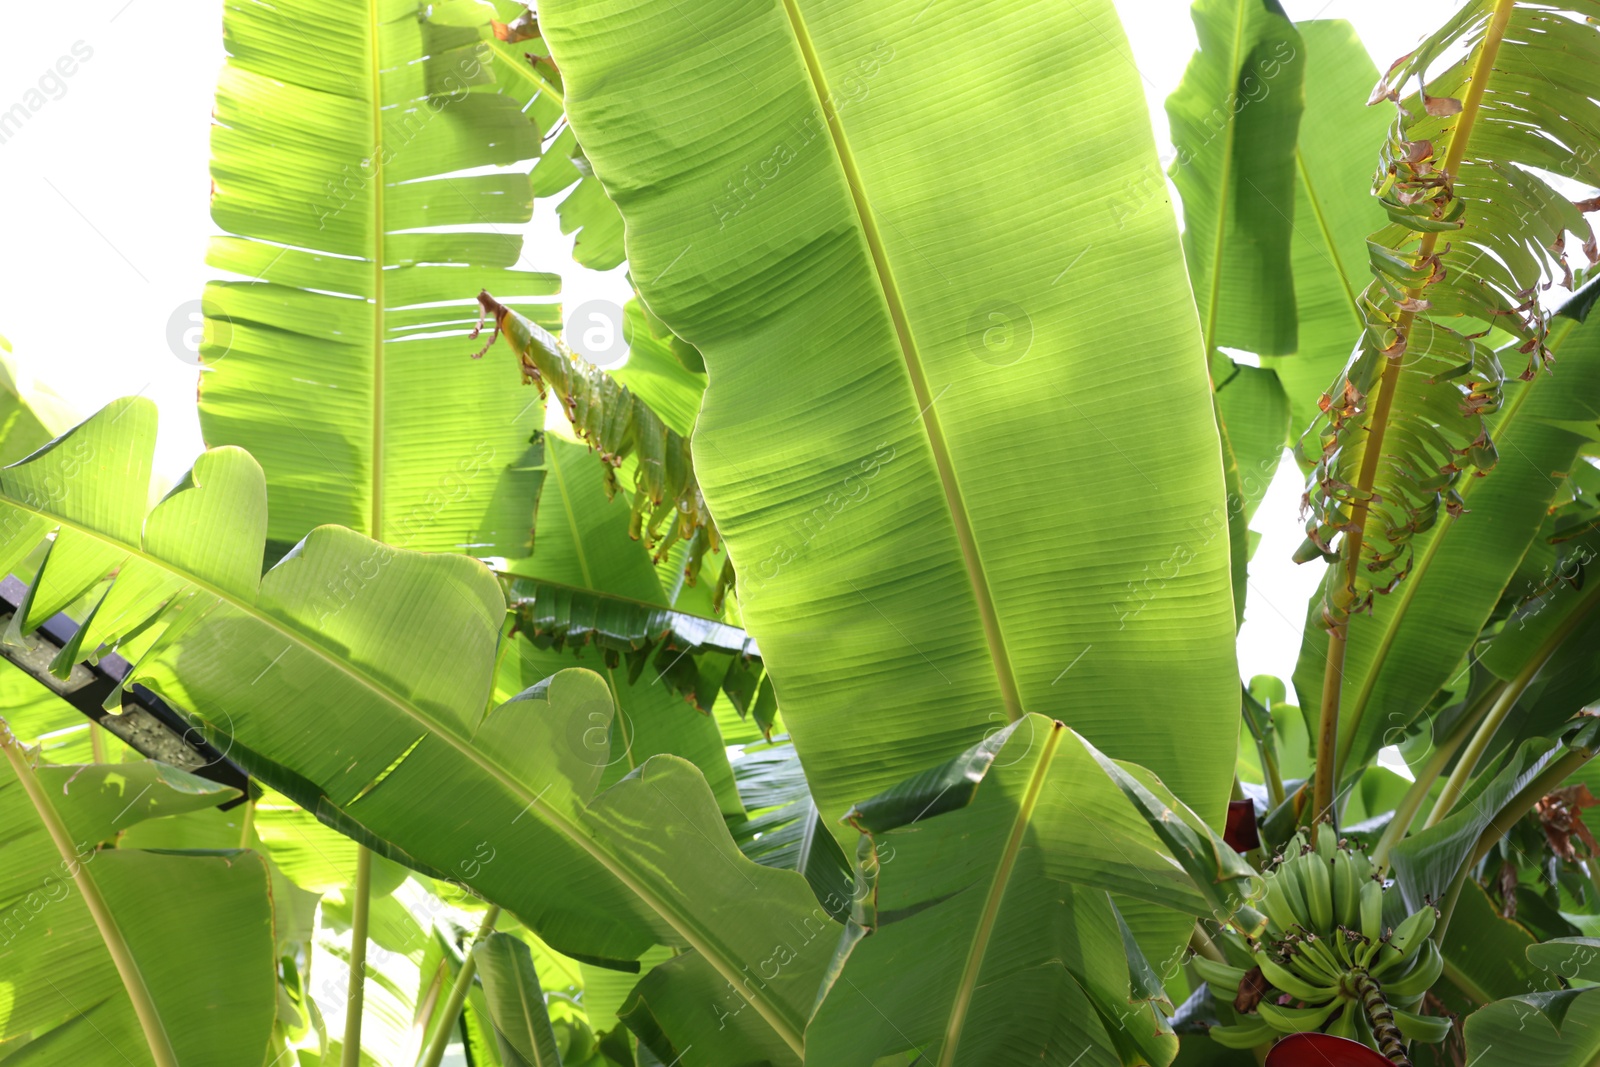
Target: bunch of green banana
(1330, 963)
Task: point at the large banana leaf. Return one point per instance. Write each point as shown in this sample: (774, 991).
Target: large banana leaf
(992, 937)
(354, 678)
(1413, 641)
(1334, 210)
(125, 955)
(1517, 1031)
(1234, 118)
(341, 363)
(933, 447)
(1234, 121)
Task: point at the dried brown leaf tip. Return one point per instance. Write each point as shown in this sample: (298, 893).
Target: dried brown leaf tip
(525, 27)
(1441, 106)
(1561, 816)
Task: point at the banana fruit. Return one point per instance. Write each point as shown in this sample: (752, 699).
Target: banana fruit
(1326, 954)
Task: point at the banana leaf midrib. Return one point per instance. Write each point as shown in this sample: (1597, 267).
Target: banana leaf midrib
(978, 950)
(375, 85)
(447, 732)
(105, 921)
(1331, 247)
(972, 560)
(1214, 299)
(1357, 708)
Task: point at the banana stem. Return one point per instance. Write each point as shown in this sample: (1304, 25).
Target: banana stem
(458, 992)
(1406, 811)
(1381, 1019)
(355, 992)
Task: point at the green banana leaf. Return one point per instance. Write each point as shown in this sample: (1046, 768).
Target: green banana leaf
(990, 932)
(523, 71)
(1513, 1032)
(341, 362)
(125, 955)
(1414, 640)
(515, 1002)
(324, 679)
(784, 828)
(1234, 120)
(1334, 210)
(931, 451)
(582, 540)
(1428, 862)
(30, 412)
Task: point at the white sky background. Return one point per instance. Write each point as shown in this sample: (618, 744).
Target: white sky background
(106, 196)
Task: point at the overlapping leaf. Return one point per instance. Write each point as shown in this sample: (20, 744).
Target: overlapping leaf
(330, 681)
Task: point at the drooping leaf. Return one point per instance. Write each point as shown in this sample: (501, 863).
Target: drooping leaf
(340, 361)
(1473, 234)
(900, 402)
(667, 504)
(1413, 642)
(664, 668)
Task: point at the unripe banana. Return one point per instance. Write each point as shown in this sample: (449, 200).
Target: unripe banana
(1289, 879)
(1417, 925)
(1277, 904)
(1428, 966)
(1371, 910)
(1297, 1020)
(1346, 892)
(1345, 1024)
(1219, 976)
(1327, 841)
(1248, 1034)
(1425, 1028)
(1319, 893)
(1288, 981)
(1324, 956)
